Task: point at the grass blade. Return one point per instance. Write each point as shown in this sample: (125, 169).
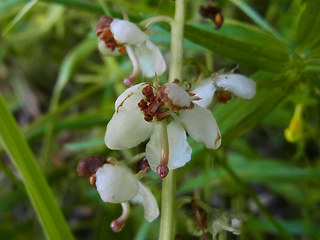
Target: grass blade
(41, 196)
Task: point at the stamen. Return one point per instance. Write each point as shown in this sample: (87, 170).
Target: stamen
(162, 116)
(88, 166)
(142, 167)
(93, 180)
(118, 224)
(154, 107)
(148, 93)
(128, 81)
(223, 97)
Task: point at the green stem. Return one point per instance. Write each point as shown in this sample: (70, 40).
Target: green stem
(150, 21)
(177, 42)
(167, 224)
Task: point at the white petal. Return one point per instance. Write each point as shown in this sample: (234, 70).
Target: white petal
(150, 59)
(205, 90)
(150, 205)
(106, 51)
(237, 84)
(153, 148)
(177, 95)
(130, 98)
(201, 126)
(116, 184)
(179, 149)
(127, 32)
(126, 129)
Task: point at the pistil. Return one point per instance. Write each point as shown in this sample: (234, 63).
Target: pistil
(118, 224)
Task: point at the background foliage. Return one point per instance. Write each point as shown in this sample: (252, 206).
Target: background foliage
(62, 93)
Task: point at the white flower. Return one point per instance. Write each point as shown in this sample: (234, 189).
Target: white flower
(237, 84)
(116, 184)
(119, 36)
(165, 114)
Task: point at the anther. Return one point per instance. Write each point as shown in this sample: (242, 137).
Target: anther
(88, 166)
(162, 116)
(142, 165)
(162, 170)
(223, 97)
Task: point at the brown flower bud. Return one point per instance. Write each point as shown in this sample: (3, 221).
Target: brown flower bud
(142, 164)
(88, 166)
(212, 13)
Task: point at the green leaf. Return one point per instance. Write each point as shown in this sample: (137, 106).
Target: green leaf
(41, 196)
(257, 170)
(243, 44)
(309, 26)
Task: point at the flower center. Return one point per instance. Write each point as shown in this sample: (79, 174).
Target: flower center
(153, 105)
(104, 33)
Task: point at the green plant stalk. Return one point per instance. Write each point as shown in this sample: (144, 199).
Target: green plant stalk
(167, 224)
(38, 190)
(177, 27)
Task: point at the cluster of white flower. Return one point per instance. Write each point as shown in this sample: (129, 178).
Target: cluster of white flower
(164, 113)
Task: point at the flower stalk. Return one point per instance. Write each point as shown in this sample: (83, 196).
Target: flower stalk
(167, 224)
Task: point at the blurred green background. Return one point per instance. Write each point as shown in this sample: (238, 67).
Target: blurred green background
(61, 91)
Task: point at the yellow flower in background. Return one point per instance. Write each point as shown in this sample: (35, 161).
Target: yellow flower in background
(293, 133)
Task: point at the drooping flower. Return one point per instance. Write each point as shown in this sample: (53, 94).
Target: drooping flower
(119, 36)
(165, 113)
(116, 184)
(222, 86)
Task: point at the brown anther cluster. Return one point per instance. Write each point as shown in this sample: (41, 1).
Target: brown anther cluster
(223, 97)
(88, 167)
(152, 105)
(212, 13)
(104, 34)
(142, 165)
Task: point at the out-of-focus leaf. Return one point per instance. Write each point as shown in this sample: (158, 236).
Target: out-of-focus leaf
(242, 43)
(85, 144)
(309, 26)
(37, 188)
(292, 226)
(259, 170)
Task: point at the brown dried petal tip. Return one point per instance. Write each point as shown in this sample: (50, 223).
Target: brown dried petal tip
(88, 166)
(103, 24)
